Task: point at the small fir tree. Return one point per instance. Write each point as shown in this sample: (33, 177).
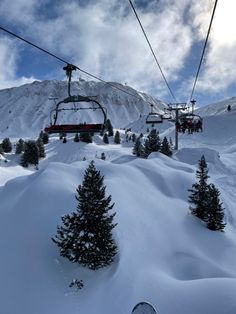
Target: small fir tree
(134, 137)
(117, 137)
(44, 137)
(76, 138)
(6, 145)
(154, 141)
(103, 156)
(199, 192)
(31, 154)
(105, 138)
(41, 148)
(138, 148)
(20, 146)
(165, 147)
(86, 235)
(109, 127)
(64, 141)
(215, 211)
(86, 137)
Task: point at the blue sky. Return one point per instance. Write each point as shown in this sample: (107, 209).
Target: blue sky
(104, 38)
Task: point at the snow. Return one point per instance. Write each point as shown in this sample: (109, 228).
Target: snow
(166, 256)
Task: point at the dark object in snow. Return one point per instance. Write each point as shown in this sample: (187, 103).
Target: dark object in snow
(144, 308)
(77, 284)
(228, 108)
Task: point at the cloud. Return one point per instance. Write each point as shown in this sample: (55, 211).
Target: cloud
(217, 73)
(104, 38)
(8, 65)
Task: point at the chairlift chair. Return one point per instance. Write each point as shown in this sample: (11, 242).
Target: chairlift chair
(153, 117)
(75, 128)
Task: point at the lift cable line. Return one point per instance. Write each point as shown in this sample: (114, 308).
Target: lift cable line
(150, 46)
(68, 63)
(204, 48)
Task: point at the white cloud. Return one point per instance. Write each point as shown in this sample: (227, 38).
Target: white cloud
(8, 65)
(104, 38)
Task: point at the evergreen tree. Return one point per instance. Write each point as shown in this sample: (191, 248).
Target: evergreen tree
(86, 137)
(76, 138)
(215, 211)
(31, 154)
(134, 137)
(1, 149)
(86, 235)
(20, 146)
(199, 192)
(64, 141)
(44, 137)
(117, 137)
(41, 148)
(103, 156)
(105, 138)
(6, 145)
(166, 148)
(109, 128)
(153, 142)
(138, 148)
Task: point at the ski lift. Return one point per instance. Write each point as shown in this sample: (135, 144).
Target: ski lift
(75, 128)
(167, 115)
(153, 117)
(190, 120)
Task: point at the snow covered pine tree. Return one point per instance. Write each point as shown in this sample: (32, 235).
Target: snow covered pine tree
(86, 235)
(199, 191)
(215, 211)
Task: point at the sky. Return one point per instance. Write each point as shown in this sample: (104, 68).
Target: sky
(104, 38)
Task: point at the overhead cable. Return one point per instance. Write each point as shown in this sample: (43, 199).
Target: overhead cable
(150, 46)
(64, 61)
(203, 51)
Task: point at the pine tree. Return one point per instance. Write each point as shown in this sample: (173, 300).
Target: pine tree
(44, 137)
(76, 138)
(199, 197)
(138, 148)
(166, 148)
(20, 146)
(41, 148)
(86, 235)
(31, 154)
(105, 138)
(6, 145)
(86, 137)
(117, 137)
(215, 211)
(109, 128)
(134, 137)
(153, 143)
(64, 141)
(103, 156)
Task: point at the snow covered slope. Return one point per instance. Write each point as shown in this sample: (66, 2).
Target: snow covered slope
(166, 256)
(26, 110)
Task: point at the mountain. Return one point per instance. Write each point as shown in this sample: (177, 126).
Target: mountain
(26, 109)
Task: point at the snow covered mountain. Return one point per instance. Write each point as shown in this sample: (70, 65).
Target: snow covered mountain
(26, 109)
(166, 256)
